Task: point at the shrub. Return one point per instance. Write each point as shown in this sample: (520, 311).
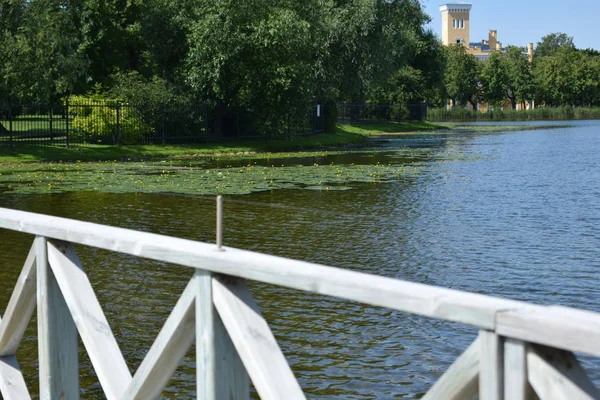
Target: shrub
(97, 119)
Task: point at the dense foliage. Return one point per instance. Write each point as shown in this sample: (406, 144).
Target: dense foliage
(560, 75)
(269, 60)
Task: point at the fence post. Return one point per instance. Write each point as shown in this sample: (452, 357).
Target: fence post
(118, 124)
(162, 122)
(51, 131)
(57, 334)
(67, 120)
(10, 125)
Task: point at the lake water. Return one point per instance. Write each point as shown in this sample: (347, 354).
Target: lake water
(513, 214)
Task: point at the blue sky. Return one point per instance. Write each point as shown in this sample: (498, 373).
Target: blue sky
(519, 22)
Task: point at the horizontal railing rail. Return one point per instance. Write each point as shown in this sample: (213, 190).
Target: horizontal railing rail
(521, 349)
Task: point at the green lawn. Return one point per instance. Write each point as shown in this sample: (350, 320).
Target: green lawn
(344, 135)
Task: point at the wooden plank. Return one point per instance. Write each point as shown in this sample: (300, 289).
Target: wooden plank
(491, 367)
(57, 335)
(469, 308)
(220, 371)
(167, 351)
(95, 332)
(205, 338)
(20, 307)
(460, 381)
(268, 369)
(559, 327)
(556, 374)
(516, 384)
(12, 383)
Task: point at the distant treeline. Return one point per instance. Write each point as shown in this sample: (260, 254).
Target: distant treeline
(545, 113)
(560, 75)
(270, 60)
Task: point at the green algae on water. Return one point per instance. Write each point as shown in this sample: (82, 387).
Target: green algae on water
(114, 177)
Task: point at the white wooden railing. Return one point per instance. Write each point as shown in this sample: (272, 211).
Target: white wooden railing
(522, 351)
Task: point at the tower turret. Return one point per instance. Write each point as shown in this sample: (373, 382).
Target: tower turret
(455, 23)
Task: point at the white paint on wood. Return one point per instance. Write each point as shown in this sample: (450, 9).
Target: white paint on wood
(232, 380)
(167, 351)
(491, 369)
(268, 369)
(556, 374)
(95, 332)
(205, 338)
(20, 307)
(516, 384)
(469, 308)
(559, 327)
(57, 335)
(460, 381)
(220, 372)
(12, 384)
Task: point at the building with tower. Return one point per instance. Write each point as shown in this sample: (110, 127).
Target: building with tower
(456, 25)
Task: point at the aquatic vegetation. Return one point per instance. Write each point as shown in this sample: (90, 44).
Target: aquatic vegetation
(117, 177)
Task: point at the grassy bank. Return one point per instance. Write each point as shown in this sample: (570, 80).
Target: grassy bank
(558, 113)
(345, 135)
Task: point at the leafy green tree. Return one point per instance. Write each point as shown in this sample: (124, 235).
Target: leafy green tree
(421, 79)
(519, 76)
(562, 78)
(552, 43)
(495, 79)
(462, 76)
(44, 59)
(254, 55)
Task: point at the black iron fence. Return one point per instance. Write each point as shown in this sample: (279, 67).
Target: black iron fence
(83, 121)
(357, 113)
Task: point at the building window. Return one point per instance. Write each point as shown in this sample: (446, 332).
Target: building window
(462, 24)
(454, 23)
(459, 40)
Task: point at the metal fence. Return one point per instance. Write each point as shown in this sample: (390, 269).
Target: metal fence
(374, 112)
(83, 121)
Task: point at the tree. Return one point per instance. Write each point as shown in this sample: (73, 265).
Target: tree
(421, 79)
(44, 60)
(551, 44)
(256, 56)
(494, 79)
(519, 76)
(462, 78)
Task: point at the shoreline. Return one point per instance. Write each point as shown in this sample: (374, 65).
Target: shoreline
(345, 137)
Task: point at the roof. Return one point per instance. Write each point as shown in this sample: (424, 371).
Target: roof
(479, 45)
(455, 7)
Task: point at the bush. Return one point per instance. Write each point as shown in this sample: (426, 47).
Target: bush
(94, 119)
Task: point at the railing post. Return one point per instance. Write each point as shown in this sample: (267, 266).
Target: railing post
(516, 384)
(491, 366)
(220, 371)
(57, 334)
